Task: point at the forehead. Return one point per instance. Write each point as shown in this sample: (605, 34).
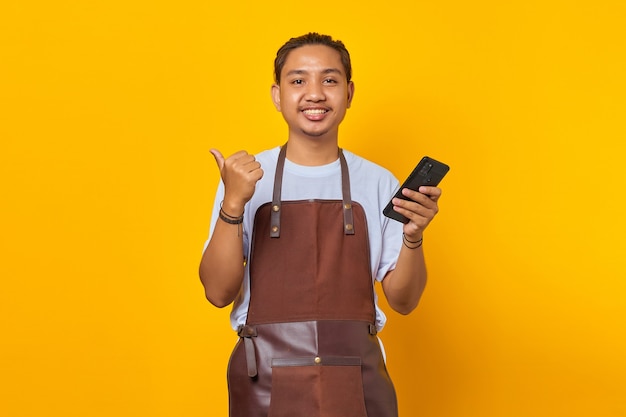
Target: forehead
(313, 58)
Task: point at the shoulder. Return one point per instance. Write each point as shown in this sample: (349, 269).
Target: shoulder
(268, 157)
(365, 168)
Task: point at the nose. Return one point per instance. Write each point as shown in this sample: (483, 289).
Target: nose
(315, 92)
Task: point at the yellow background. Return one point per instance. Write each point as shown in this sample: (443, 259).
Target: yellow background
(107, 112)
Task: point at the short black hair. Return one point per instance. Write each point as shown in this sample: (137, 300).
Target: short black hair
(311, 38)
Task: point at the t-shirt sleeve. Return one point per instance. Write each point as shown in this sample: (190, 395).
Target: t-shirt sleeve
(391, 232)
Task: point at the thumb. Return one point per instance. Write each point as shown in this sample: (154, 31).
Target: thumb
(219, 158)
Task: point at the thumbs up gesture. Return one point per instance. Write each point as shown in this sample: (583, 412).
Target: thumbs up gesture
(240, 173)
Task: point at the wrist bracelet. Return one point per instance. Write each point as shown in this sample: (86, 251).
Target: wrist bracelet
(230, 220)
(228, 215)
(418, 242)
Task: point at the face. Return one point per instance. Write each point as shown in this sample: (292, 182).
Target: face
(313, 94)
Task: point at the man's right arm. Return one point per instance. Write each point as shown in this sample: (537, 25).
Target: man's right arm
(222, 264)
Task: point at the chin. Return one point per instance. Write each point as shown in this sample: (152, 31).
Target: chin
(315, 134)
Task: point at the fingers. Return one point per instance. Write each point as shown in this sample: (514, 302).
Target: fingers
(243, 163)
(426, 196)
(240, 173)
(240, 161)
(421, 207)
(219, 158)
(433, 192)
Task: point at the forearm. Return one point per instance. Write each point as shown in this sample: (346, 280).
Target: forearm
(404, 285)
(222, 264)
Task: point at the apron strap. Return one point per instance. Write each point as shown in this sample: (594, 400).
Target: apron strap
(348, 220)
(278, 183)
(247, 333)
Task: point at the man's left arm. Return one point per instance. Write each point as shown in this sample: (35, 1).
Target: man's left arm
(404, 285)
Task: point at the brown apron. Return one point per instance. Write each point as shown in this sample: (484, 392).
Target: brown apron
(309, 346)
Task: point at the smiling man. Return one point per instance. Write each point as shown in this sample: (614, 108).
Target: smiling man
(308, 217)
(313, 93)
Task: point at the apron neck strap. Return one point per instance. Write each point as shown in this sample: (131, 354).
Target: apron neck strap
(348, 222)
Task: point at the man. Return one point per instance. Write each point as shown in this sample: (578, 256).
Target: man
(297, 239)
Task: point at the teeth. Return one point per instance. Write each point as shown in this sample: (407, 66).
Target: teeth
(314, 111)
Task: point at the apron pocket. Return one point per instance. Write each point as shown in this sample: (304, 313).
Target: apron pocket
(329, 386)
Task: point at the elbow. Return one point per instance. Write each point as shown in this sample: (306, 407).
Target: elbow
(404, 302)
(406, 305)
(218, 298)
(405, 309)
(218, 302)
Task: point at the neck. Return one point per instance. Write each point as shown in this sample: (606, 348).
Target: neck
(315, 154)
(312, 151)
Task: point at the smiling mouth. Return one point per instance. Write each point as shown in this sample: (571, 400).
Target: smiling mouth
(314, 112)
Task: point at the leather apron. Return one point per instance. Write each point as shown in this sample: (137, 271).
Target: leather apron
(309, 347)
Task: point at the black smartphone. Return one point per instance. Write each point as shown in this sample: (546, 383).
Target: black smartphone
(428, 172)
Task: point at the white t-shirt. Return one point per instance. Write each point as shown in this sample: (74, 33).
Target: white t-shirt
(370, 185)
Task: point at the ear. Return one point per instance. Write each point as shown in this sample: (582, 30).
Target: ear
(350, 93)
(276, 96)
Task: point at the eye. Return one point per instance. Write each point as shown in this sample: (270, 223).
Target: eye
(330, 81)
(297, 82)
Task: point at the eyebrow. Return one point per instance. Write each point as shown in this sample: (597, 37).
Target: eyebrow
(326, 71)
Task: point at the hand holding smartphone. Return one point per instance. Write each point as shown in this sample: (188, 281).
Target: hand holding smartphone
(427, 172)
